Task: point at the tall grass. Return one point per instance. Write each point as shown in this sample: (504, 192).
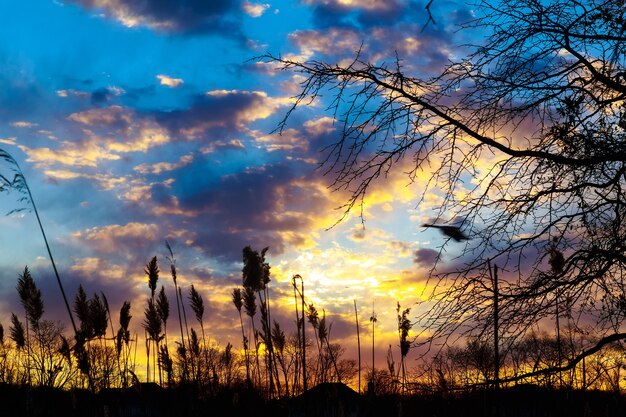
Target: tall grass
(19, 184)
(152, 323)
(237, 298)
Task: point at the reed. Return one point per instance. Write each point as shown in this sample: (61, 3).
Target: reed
(249, 303)
(237, 298)
(152, 323)
(404, 325)
(19, 184)
(123, 340)
(182, 350)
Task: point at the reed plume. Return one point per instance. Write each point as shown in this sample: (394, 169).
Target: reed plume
(404, 325)
(163, 308)
(81, 308)
(237, 298)
(152, 270)
(182, 350)
(30, 297)
(17, 333)
(152, 325)
(98, 316)
(123, 339)
(197, 305)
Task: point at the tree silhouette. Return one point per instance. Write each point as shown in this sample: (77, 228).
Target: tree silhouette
(536, 117)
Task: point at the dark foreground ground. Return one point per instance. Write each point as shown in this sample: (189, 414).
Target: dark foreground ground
(326, 400)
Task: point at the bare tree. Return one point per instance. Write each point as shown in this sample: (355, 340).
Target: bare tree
(536, 116)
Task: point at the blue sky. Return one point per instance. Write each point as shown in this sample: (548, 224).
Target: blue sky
(136, 124)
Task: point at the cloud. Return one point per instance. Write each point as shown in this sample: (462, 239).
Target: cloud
(106, 94)
(287, 140)
(426, 257)
(72, 92)
(160, 167)
(400, 248)
(111, 117)
(119, 129)
(366, 13)
(216, 145)
(254, 9)
(320, 126)
(117, 238)
(334, 41)
(220, 109)
(23, 124)
(186, 16)
(105, 181)
(419, 52)
(269, 205)
(70, 153)
(169, 81)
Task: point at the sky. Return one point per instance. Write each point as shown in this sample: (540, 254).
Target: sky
(140, 122)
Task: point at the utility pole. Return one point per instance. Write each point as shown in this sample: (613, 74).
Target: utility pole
(304, 384)
(358, 342)
(496, 348)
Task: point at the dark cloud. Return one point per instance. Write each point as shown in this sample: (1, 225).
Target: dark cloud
(426, 257)
(359, 234)
(335, 14)
(101, 96)
(243, 206)
(390, 13)
(211, 111)
(170, 16)
(136, 93)
(254, 207)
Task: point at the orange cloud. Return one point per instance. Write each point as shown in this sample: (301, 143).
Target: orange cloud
(70, 153)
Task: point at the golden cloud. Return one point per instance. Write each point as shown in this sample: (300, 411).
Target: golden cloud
(70, 153)
(107, 237)
(92, 267)
(254, 9)
(103, 116)
(160, 167)
(169, 81)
